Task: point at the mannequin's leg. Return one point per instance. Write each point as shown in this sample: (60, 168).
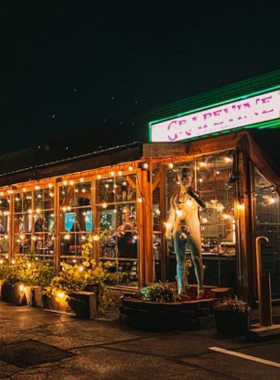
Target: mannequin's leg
(195, 248)
(180, 245)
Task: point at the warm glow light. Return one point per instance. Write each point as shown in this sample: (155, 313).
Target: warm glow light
(13, 262)
(130, 168)
(81, 179)
(28, 265)
(145, 165)
(104, 205)
(51, 194)
(81, 268)
(271, 200)
(170, 165)
(112, 173)
(65, 183)
(226, 216)
(204, 220)
(37, 187)
(1, 262)
(99, 176)
(21, 288)
(71, 182)
(119, 172)
(96, 237)
(202, 164)
(179, 213)
(240, 206)
(139, 200)
(60, 294)
(67, 237)
(50, 185)
(227, 159)
(24, 189)
(38, 210)
(167, 225)
(200, 180)
(34, 238)
(64, 208)
(189, 202)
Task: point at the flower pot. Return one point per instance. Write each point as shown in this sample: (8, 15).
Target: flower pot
(232, 323)
(12, 294)
(33, 295)
(80, 304)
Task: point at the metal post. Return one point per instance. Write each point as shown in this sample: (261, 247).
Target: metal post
(264, 291)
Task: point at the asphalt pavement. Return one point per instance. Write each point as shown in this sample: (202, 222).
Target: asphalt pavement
(40, 345)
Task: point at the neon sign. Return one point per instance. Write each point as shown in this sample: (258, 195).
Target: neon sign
(228, 116)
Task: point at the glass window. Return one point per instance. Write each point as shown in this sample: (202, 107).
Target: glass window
(76, 219)
(116, 226)
(4, 225)
(34, 222)
(267, 220)
(213, 181)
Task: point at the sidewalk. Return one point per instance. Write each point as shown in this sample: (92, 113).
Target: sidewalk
(38, 345)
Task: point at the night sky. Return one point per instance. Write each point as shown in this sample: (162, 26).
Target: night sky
(69, 66)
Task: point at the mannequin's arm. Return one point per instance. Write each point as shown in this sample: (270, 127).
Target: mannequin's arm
(200, 201)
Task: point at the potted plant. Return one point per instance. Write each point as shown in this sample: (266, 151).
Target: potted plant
(232, 316)
(67, 289)
(21, 276)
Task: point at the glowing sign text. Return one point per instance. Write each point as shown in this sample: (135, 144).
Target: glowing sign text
(227, 116)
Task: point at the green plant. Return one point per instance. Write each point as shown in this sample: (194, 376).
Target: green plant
(157, 292)
(232, 304)
(27, 270)
(81, 276)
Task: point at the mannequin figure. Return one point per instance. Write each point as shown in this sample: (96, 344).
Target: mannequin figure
(184, 226)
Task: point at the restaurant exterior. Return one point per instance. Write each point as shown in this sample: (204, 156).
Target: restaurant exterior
(121, 195)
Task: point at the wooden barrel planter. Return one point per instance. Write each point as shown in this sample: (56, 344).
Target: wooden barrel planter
(156, 316)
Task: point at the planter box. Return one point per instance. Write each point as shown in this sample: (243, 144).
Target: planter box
(232, 323)
(33, 295)
(10, 293)
(80, 304)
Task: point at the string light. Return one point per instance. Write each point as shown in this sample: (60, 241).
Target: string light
(81, 179)
(99, 176)
(37, 187)
(130, 168)
(170, 165)
(145, 165)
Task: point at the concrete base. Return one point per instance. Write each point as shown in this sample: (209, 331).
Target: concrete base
(259, 333)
